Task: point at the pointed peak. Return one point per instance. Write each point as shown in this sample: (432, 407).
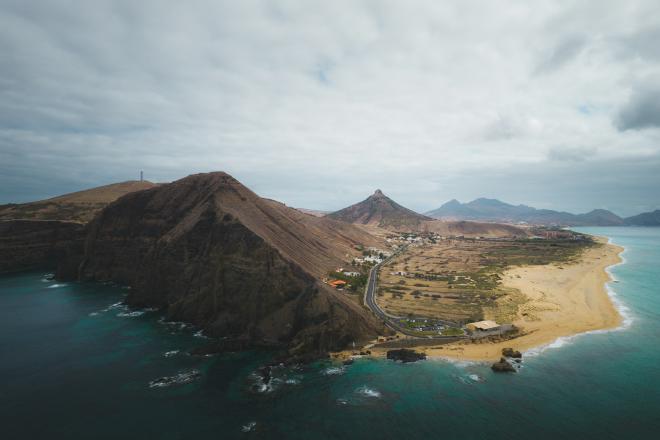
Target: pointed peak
(452, 202)
(379, 193)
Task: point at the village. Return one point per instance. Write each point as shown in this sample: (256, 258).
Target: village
(434, 286)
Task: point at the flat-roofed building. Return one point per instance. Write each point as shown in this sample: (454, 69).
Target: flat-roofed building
(483, 326)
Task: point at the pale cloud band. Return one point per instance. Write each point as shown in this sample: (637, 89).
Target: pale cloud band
(345, 96)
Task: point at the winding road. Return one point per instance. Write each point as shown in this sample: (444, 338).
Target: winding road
(390, 321)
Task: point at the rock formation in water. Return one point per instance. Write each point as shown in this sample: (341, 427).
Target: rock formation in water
(503, 366)
(511, 353)
(405, 355)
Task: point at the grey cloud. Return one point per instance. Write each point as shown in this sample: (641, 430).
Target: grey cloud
(562, 53)
(315, 103)
(570, 154)
(642, 44)
(624, 186)
(642, 110)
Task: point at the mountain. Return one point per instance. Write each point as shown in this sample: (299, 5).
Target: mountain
(79, 206)
(496, 211)
(644, 219)
(207, 250)
(314, 212)
(380, 210)
(37, 244)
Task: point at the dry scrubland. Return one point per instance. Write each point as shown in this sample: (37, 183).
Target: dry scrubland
(79, 207)
(461, 279)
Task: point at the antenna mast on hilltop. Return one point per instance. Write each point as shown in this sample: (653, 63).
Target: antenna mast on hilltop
(141, 176)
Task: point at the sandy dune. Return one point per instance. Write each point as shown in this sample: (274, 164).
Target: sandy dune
(564, 300)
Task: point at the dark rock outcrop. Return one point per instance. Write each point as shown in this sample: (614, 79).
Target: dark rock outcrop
(511, 353)
(404, 355)
(35, 244)
(503, 366)
(209, 251)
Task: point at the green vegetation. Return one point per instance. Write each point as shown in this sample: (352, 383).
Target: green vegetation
(535, 252)
(355, 284)
(452, 331)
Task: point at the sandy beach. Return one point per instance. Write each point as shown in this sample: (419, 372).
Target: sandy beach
(563, 300)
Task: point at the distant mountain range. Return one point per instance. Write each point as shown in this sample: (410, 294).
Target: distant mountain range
(494, 210)
(645, 219)
(383, 212)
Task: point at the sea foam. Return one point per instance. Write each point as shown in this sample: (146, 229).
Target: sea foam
(368, 392)
(249, 426)
(332, 371)
(624, 311)
(181, 378)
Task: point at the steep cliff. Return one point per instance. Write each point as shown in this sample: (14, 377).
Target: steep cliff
(33, 244)
(209, 251)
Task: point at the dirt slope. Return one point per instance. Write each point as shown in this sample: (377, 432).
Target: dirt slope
(79, 206)
(379, 210)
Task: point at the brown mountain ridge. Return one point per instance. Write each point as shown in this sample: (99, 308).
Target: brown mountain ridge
(207, 250)
(379, 210)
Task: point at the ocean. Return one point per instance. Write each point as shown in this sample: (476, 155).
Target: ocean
(76, 364)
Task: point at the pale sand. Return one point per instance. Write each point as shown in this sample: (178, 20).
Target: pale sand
(564, 300)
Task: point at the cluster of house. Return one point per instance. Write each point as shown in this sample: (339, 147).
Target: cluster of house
(337, 284)
(374, 255)
(400, 273)
(554, 234)
(413, 239)
(340, 284)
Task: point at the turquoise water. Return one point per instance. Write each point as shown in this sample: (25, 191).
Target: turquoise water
(74, 366)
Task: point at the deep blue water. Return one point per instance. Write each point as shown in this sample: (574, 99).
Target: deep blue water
(72, 368)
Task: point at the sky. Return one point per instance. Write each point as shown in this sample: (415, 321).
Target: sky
(319, 103)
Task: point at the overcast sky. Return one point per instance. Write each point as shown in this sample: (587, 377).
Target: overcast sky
(318, 103)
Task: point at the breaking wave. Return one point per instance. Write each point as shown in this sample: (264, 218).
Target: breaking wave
(181, 378)
(249, 426)
(132, 314)
(332, 371)
(624, 311)
(368, 392)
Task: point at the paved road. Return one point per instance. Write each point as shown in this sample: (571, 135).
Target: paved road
(390, 321)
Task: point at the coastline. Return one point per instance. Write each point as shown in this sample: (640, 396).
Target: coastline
(564, 300)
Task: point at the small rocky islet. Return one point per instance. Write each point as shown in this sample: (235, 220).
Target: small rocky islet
(504, 365)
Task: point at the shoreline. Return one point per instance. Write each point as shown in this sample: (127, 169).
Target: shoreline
(563, 301)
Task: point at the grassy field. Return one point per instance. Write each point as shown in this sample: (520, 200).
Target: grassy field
(460, 279)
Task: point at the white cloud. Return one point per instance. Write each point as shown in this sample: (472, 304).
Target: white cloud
(345, 96)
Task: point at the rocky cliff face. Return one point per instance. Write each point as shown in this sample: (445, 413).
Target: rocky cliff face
(209, 251)
(33, 244)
